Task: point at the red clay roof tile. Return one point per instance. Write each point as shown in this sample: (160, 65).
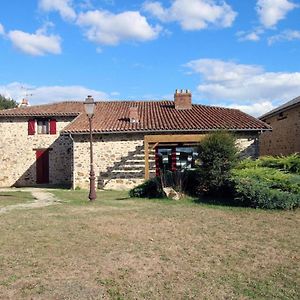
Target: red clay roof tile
(113, 116)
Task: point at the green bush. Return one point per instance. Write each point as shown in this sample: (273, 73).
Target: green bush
(218, 155)
(268, 182)
(258, 194)
(274, 179)
(289, 163)
(149, 189)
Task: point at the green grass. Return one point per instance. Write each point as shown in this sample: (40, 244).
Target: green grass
(123, 248)
(12, 198)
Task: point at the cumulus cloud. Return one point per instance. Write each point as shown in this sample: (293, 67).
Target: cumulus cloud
(286, 35)
(36, 44)
(63, 7)
(248, 87)
(2, 32)
(106, 28)
(255, 109)
(48, 94)
(193, 14)
(272, 11)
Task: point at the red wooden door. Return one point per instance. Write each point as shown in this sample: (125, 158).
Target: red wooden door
(42, 166)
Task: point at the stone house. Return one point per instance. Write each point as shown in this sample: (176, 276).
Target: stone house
(49, 144)
(284, 139)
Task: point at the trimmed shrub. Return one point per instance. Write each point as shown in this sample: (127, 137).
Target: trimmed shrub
(255, 193)
(149, 189)
(272, 178)
(218, 155)
(289, 163)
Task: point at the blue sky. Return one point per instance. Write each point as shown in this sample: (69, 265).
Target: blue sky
(242, 54)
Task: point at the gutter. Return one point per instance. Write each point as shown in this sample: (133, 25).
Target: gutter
(168, 130)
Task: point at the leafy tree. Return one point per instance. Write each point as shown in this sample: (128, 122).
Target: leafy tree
(218, 155)
(7, 103)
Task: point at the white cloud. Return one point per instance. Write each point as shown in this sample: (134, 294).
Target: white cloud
(64, 7)
(36, 44)
(253, 36)
(248, 86)
(286, 35)
(106, 28)
(193, 14)
(254, 109)
(272, 11)
(48, 94)
(2, 32)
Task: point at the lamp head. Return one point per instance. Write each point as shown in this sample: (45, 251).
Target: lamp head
(89, 106)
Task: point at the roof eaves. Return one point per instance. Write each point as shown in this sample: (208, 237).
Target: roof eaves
(74, 132)
(286, 106)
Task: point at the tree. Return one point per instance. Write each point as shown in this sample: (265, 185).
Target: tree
(7, 103)
(218, 155)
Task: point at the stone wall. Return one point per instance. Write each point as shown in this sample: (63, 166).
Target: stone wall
(119, 159)
(285, 136)
(18, 155)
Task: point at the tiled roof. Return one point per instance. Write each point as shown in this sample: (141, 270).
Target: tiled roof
(282, 107)
(68, 108)
(113, 116)
(162, 116)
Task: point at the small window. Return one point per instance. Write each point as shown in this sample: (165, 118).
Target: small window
(43, 127)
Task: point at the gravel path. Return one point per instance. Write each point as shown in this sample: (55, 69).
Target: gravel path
(42, 198)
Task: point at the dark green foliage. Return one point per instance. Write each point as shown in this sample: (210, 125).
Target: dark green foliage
(218, 155)
(149, 189)
(290, 163)
(266, 182)
(7, 103)
(258, 194)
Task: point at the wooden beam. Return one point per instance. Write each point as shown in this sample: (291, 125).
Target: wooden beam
(146, 149)
(153, 147)
(174, 138)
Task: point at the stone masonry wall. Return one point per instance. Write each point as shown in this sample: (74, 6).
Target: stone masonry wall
(119, 159)
(285, 137)
(18, 157)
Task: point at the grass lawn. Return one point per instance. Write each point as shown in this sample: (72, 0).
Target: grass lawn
(122, 248)
(11, 198)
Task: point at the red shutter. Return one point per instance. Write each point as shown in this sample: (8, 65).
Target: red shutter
(53, 126)
(31, 127)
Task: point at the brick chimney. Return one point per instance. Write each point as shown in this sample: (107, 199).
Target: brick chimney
(24, 103)
(133, 114)
(183, 99)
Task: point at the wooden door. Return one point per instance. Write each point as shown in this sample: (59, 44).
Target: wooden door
(42, 166)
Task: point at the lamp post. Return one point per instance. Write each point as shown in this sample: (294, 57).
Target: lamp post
(89, 106)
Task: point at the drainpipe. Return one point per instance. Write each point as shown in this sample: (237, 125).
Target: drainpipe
(73, 165)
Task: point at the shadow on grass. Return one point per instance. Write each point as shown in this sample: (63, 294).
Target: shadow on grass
(218, 201)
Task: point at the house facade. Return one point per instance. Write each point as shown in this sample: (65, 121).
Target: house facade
(132, 140)
(284, 139)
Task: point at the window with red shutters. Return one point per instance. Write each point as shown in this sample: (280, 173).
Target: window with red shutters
(31, 127)
(53, 126)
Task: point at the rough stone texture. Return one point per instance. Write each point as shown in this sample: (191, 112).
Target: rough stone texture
(248, 146)
(118, 160)
(285, 137)
(18, 155)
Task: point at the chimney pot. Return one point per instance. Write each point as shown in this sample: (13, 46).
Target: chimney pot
(183, 99)
(24, 103)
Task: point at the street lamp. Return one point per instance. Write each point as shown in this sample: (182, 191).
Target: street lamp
(89, 106)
